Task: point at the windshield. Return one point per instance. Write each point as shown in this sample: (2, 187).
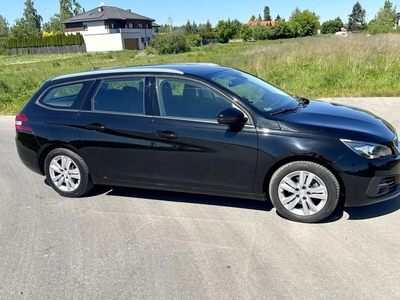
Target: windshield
(254, 91)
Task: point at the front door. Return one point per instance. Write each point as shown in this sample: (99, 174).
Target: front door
(193, 150)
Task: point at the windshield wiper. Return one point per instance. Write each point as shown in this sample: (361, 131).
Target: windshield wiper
(303, 102)
(283, 111)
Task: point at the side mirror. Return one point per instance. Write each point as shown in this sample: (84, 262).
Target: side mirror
(231, 116)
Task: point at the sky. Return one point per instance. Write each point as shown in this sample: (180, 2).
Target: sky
(180, 11)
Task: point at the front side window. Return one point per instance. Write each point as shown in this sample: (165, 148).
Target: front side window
(120, 95)
(65, 96)
(187, 99)
(254, 91)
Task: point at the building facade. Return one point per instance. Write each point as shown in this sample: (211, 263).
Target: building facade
(108, 28)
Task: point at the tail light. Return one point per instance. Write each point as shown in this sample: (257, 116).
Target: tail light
(19, 123)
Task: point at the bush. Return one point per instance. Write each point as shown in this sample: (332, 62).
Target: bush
(171, 43)
(193, 40)
(149, 50)
(331, 26)
(261, 32)
(246, 33)
(225, 30)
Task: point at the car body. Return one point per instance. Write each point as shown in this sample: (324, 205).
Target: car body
(208, 129)
(341, 33)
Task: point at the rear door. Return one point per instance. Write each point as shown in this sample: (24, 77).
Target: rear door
(116, 130)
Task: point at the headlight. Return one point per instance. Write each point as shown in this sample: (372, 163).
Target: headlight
(368, 150)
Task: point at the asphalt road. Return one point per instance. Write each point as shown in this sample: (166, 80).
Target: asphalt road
(132, 244)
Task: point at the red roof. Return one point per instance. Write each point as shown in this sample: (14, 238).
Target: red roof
(263, 23)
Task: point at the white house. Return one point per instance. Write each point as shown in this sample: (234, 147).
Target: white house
(108, 28)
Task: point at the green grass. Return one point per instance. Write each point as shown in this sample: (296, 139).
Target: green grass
(356, 66)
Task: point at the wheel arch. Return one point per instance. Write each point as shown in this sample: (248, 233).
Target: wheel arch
(280, 163)
(51, 146)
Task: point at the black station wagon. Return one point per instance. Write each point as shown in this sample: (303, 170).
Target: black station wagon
(208, 129)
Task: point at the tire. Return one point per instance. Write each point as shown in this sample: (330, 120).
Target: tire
(304, 191)
(67, 173)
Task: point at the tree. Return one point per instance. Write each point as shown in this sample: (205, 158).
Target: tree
(225, 30)
(305, 23)
(206, 30)
(261, 32)
(331, 26)
(357, 18)
(267, 14)
(4, 29)
(246, 32)
(253, 18)
(188, 27)
(385, 19)
(278, 18)
(238, 26)
(171, 23)
(29, 24)
(282, 30)
(195, 28)
(259, 19)
(69, 8)
(54, 24)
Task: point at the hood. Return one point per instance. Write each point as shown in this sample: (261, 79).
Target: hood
(339, 121)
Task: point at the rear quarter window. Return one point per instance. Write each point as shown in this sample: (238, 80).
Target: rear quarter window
(67, 96)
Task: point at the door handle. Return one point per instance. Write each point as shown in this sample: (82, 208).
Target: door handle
(167, 134)
(95, 127)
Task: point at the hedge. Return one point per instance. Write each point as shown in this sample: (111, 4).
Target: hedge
(40, 41)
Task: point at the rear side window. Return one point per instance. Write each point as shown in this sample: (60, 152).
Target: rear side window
(125, 95)
(68, 96)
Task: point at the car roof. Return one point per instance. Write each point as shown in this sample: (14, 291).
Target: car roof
(196, 69)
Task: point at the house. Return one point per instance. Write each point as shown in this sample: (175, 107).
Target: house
(108, 28)
(397, 20)
(263, 23)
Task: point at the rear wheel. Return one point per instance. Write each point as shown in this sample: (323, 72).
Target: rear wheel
(67, 173)
(304, 191)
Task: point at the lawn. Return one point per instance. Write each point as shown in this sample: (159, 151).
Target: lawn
(326, 66)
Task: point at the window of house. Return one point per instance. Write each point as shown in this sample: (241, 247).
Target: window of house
(112, 25)
(120, 95)
(147, 25)
(189, 100)
(85, 27)
(140, 25)
(130, 25)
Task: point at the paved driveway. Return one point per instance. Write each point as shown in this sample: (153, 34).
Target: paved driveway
(120, 243)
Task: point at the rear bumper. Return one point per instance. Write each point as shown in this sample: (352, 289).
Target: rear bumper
(27, 148)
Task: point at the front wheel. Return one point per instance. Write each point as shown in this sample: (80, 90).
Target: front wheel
(67, 173)
(304, 191)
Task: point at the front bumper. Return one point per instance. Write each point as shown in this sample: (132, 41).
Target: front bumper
(370, 181)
